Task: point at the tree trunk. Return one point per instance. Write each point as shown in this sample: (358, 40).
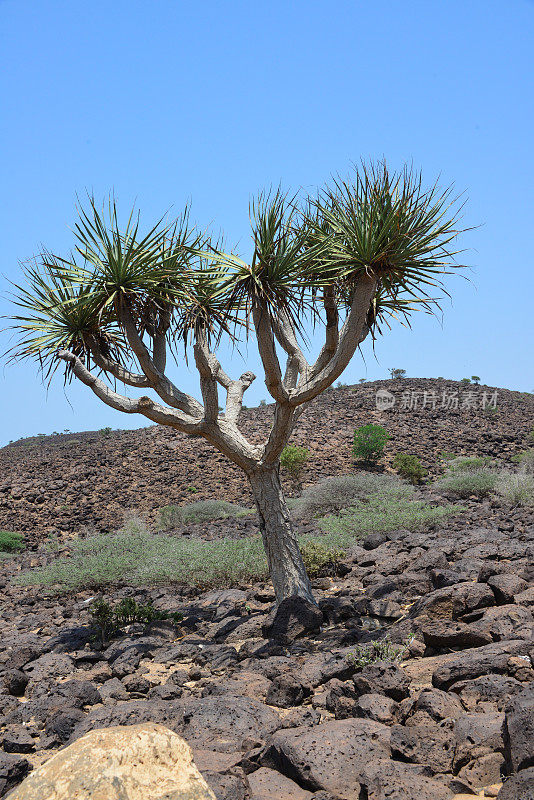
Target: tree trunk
(286, 566)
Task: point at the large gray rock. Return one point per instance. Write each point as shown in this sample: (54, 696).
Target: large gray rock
(332, 756)
(391, 780)
(452, 602)
(139, 762)
(428, 744)
(472, 663)
(227, 723)
(518, 787)
(519, 731)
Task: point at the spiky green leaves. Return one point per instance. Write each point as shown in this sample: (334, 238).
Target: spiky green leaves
(389, 226)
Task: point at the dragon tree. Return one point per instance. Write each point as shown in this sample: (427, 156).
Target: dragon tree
(350, 258)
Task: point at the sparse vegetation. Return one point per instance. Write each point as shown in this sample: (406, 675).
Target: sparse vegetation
(135, 556)
(409, 467)
(379, 650)
(383, 514)
(105, 432)
(465, 380)
(369, 443)
(525, 461)
(11, 542)
(170, 517)
(475, 379)
(320, 559)
(469, 463)
(466, 482)
(517, 488)
(332, 494)
(397, 373)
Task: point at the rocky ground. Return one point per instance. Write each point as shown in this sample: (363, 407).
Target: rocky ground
(288, 712)
(63, 483)
(296, 710)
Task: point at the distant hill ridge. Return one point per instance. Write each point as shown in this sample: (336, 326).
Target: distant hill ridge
(62, 483)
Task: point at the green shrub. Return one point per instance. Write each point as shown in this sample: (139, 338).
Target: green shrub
(109, 619)
(475, 379)
(320, 559)
(465, 380)
(464, 483)
(293, 458)
(170, 517)
(516, 488)
(383, 515)
(397, 373)
(409, 467)
(469, 464)
(11, 542)
(332, 494)
(369, 442)
(105, 432)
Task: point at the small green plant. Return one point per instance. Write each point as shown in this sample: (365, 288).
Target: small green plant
(11, 542)
(109, 619)
(397, 373)
(526, 460)
(369, 443)
(409, 467)
(475, 379)
(192, 489)
(263, 403)
(465, 380)
(293, 458)
(446, 456)
(379, 650)
(105, 432)
(320, 559)
(362, 380)
(103, 619)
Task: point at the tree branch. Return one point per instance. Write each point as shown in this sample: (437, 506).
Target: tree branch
(264, 334)
(331, 334)
(159, 382)
(144, 405)
(353, 332)
(113, 367)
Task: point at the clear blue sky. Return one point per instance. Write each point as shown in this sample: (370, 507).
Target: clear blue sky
(166, 100)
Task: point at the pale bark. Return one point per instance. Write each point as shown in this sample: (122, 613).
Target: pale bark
(284, 559)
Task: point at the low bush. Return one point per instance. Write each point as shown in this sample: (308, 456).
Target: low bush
(170, 517)
(11, 542)
(382, 515)
(134, 556)
(516, 488)
(369, 443)
(469, 463)
(464, 483)
(320, 559)
(409, 467)
(333, 494)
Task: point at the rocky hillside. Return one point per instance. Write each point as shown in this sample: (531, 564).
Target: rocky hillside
(64, 483)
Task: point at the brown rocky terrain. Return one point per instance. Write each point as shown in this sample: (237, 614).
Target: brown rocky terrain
(300, 709)
(62, 483)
